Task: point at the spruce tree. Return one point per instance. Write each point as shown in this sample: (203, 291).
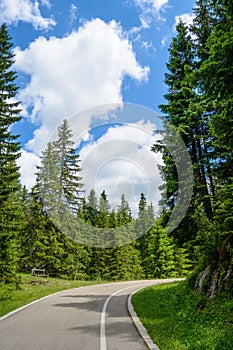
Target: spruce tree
(124, 215)
(184, 111)
(104, 207)
(48, 182)
(10, 215)
(163, 258)
(202, 27)
(70, 184)
(179, 111)
(142, 224)
(92, 208)
(216, 78)
(44, 246)
(215, 82)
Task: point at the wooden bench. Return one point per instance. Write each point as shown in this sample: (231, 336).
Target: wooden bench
(38, 272)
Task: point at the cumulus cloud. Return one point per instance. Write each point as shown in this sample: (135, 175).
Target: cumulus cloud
(187, 18)
(73, 73)
(13, 11)
(27, 163)
(150, 10)
(46, 3)
(121, 162)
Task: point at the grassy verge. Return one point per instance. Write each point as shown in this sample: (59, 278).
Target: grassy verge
(178, 319)
(32, 288)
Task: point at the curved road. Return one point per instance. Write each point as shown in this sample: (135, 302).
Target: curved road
(87, 318)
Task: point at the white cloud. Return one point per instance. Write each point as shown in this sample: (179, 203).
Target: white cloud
(73, 13)
(121, 161)
(186, 18)
(150, 10)
(71, 74)
(13, 11)
(28, 162)
(46, 3)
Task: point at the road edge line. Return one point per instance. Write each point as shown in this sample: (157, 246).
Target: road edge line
(11, 313)
(103, 342)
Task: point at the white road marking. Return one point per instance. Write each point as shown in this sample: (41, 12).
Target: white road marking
(34, 302)
(103, 343)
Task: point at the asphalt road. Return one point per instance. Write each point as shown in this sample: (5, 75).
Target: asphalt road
(87, 318)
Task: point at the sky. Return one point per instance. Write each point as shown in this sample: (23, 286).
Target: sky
(99, 64)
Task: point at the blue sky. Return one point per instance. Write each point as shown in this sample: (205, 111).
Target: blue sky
(73, 55)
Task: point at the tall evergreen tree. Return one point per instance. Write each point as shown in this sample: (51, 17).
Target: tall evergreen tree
(142, 204)
(92, 208)
(44, 246)
(58, 177)
(48, 183)
(215, 79)
(104, 208)
(9, 153)
(179, 112)
(163, 258)
(124, 215)
(182, 110)
(69, 168)
(142, 224)
(202, 27)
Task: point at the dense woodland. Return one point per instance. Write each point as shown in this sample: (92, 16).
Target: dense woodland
(199, 103)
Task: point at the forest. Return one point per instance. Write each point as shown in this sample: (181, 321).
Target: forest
(199, 104)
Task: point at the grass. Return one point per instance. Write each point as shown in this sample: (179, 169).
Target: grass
(176, 318)
(13, 296)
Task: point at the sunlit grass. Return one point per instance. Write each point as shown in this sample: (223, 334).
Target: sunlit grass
(32, 288)
(178, 319)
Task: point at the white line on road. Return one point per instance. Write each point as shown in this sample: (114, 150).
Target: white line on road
(103, 344)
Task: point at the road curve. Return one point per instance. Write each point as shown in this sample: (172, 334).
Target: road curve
(87, 318)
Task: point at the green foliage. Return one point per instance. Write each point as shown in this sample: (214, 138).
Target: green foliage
(199, 105)
(11, 217)
(179, 319)
(33, 288)
(124, 212)
(69, 168)
(58, 176)
(163, 257)
(43, 246)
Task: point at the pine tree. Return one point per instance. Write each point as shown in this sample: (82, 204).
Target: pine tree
(142, 224)
(126, 264)
(10, 216)
(215, 79)
(92, 208)
(215, 83)
(44, 246)
(178, 111)
(69, 168)
(183, 111)
(124, 215)
(163, 258)
(142, 205)
(48, 182)
(202, 27)
(103, 216)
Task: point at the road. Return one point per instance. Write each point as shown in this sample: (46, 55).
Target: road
(87, 318)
